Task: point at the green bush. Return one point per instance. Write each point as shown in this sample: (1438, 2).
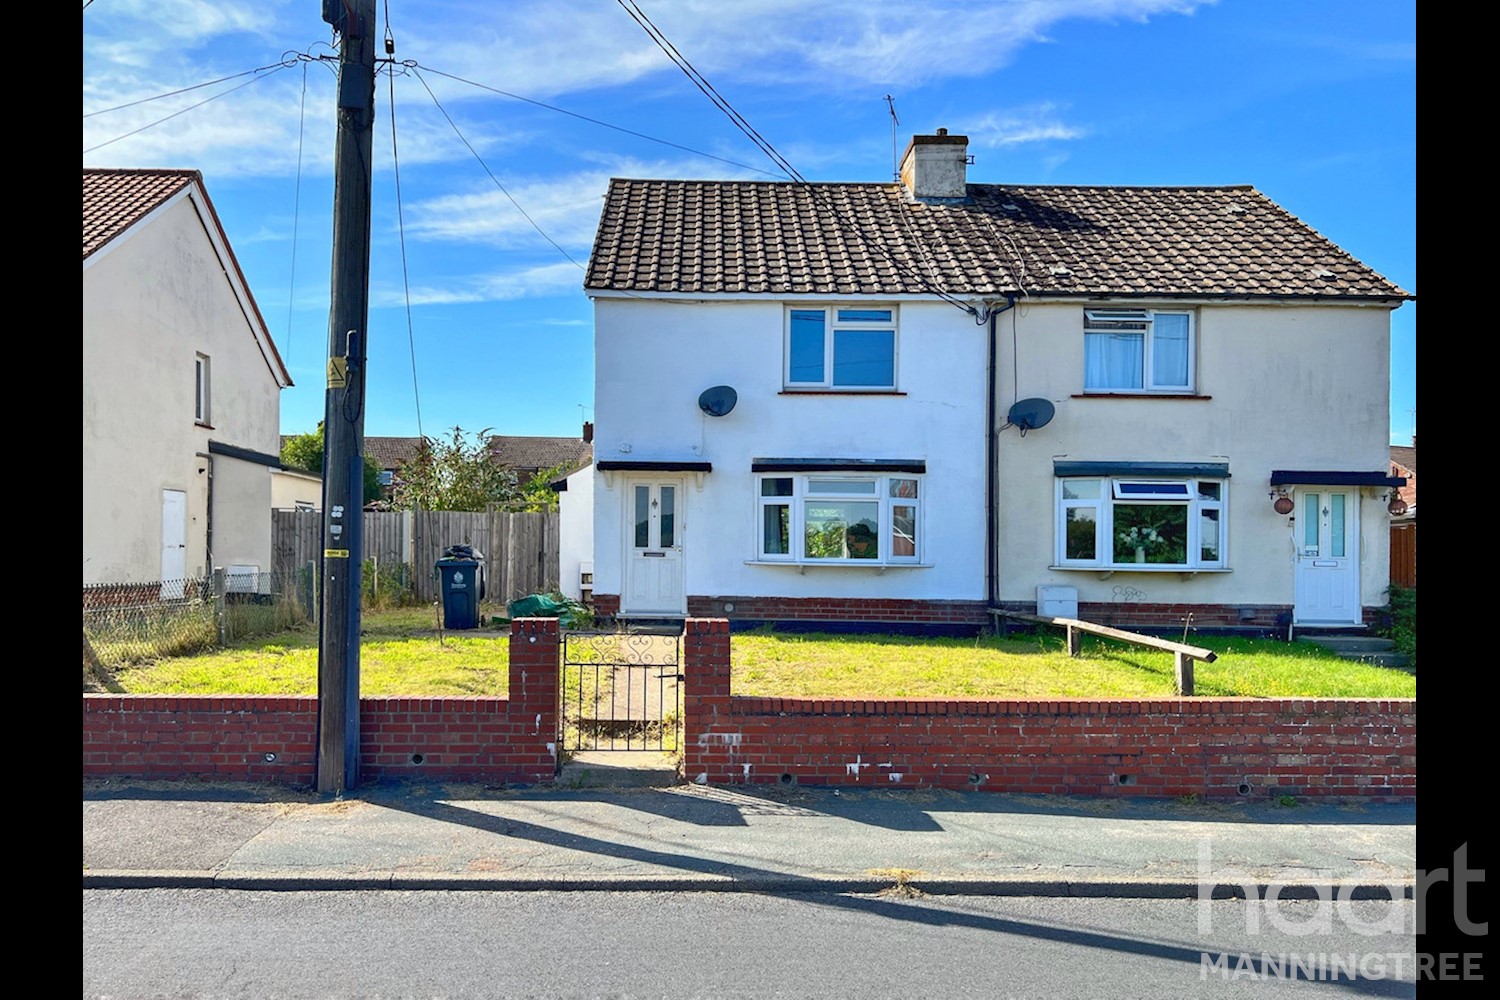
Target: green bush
(393, 586)
(1403, 626)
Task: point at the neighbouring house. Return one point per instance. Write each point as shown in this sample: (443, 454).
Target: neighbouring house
(390, 454)
(181, 388)
(575, 532)
(296, 489)
(908, 403)
(525, 455)
(1404, 516)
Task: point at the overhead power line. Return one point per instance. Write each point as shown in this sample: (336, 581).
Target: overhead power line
(462, 138)
(190, 107)
(283, 64)
(764, 145)
(592, 121)
(411, 340)
(291, 294)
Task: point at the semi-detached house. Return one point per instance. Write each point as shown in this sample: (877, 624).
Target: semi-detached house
(806, 400)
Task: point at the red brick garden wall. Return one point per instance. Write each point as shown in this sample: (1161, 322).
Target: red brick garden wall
(1324, 749)
(182, 736)
(275, 738)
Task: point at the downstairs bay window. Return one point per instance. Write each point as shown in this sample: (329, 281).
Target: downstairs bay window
(1111, 522)
(833, 519)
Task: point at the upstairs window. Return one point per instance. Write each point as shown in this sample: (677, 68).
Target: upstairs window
(200, 388)
(841, 349)
(831, 518)
(1138, 350)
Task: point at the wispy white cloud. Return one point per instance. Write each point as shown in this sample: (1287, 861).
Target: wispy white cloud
(501, 286)
(566, 207)
(1012, 127)
(836, 43)
(539, 48)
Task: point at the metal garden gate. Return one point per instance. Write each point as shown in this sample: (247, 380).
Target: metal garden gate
(622, 690)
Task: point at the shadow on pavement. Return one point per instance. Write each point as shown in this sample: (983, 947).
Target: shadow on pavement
(940, 915)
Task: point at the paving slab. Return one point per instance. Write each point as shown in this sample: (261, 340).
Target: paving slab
(692, 836)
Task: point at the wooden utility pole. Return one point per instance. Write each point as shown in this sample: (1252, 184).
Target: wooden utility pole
(344, 404)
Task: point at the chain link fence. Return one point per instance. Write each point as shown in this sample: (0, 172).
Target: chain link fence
(132, 622)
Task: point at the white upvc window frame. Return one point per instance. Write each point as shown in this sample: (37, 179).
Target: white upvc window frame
(808, 488)
(202, 388)
(833, 324)
(1101, 495)
(1108, 320)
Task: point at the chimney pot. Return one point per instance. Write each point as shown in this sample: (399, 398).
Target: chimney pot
(588, 431)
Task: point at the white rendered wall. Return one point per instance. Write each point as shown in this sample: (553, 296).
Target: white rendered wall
(1292, 387)
(652, 359)
(149, 305)
(575, 528)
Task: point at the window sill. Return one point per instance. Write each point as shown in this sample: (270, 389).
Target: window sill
(802, 567)
(1105, 572)
(840, 392)
(204, 424)
(1139, 395)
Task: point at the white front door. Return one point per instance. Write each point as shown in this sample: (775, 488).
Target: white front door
(1326, 533)
(173, 543)
(653, 549)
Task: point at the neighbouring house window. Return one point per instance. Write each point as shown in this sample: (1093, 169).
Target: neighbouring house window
(387, 477)
(1117, 523)
(834, 348)
(1137, 350)
(200, 388)
(839, 518)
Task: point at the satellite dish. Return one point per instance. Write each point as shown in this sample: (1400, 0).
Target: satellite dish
(717, 401)
(1029, 414)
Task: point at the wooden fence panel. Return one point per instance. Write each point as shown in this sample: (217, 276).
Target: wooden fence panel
(296, 540)
(1404, 554)
(521, 550)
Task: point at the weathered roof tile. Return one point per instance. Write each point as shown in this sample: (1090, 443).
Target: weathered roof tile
(780, 237)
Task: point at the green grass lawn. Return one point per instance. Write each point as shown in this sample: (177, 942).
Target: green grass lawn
(823, 666)
(401, 655)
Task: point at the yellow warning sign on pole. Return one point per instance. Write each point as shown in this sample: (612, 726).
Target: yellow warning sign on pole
(335, 553)
(338, 373)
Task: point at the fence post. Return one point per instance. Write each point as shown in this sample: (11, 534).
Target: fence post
(220, 588)
(1182, 665)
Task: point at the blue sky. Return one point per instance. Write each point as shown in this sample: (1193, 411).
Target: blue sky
(1313, 103)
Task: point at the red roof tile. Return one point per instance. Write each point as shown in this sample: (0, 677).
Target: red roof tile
(114, 200)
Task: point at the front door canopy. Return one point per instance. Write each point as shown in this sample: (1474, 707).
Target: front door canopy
(1286, 477)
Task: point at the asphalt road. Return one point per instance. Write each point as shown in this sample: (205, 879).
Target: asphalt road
(216, 943)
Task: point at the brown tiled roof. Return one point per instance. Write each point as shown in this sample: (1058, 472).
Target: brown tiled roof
(537, 453)
(520, 453)
(114, 200)
(781, 238)
(1405, 456)
(392, 452)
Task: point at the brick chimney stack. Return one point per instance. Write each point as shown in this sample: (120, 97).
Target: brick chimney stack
(588, 431)
(934, 168)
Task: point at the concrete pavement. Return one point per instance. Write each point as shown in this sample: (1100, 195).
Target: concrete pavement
(686, 837)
